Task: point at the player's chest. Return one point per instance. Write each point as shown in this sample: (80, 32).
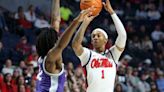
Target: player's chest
(101, 65)
(100, 61)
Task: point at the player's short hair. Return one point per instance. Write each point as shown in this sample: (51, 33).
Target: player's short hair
(45, 41)
(102, 31)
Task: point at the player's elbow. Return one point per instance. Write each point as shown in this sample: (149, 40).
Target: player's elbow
(123, 35)
(78, 49)
(74, 45)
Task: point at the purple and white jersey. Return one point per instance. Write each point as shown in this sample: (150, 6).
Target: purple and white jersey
(48, 82)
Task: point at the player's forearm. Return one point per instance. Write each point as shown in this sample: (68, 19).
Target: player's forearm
(77, 40)
(66, 36)
(122, 36)
(56, 15)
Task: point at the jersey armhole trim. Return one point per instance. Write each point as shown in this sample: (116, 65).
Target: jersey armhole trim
(112, 57)
(51, 74)
(88, 59)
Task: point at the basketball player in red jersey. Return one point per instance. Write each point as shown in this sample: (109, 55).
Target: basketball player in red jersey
(100, 63)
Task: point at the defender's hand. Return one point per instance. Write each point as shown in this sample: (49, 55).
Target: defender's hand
(84, 13)
(89, 18)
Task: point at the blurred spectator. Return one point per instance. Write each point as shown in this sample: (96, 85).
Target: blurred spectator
(136, 80)
(80, 79)
(22, 21)
(143, 85)
(30, 14)
(1, 33)
(153, 87)
(3, 25)
(119, 11)
(75, 88)
(41, 22)
(21, 88)
(15, 76)
(157, 34)
(8, 67)
(125, 60)
(161, 6)
(131, 83)
(33, 86)
(23, 46)
(32, 59)
(147, 63)
(129, 11)
(7, 86)
(71, 79)
(1, 82)
(21, 66)
(135, 43)
(66, 89)
(121, 77)
(146, 43)
(160, 81)
(141, 13)
(107, 26)
(20, 82)
(142, 32)
(19, 12)
(27, 76)
(153, 13)
(34, 75)
(118, 88)
(4, 53)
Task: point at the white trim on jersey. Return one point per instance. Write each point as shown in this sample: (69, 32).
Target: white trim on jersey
(54, 84)
(51, 74)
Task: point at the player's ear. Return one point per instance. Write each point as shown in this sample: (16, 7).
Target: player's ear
(91, 41)
(105, 40)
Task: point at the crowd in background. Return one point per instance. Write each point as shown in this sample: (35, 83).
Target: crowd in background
(140, 68)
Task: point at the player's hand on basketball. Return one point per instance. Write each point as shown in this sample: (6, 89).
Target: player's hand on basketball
(108, 7)
(84, 13)
(89, 18)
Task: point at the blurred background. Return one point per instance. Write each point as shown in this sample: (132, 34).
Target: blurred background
(141, 66)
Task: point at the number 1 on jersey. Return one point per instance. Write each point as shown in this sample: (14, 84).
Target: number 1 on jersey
(102, 74)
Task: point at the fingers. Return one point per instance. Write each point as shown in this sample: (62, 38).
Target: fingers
(94, 16)
(89, 10)
(105, 6)
(107, 1)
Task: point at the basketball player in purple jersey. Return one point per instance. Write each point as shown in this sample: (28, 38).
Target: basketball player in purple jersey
(51, 76)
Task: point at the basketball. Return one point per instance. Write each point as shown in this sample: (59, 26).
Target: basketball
(85, 4)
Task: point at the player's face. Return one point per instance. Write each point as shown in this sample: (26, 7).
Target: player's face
(98, 39)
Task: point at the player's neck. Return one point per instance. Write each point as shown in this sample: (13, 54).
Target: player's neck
(100, 50)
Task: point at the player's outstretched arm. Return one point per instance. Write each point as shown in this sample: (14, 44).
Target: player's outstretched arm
(78, 38)
(54, 55)
(55, 15)
(120, 43)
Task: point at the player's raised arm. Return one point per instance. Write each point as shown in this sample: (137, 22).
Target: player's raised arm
(78, 38)
(55, 53)
(55, 15)
(120, 43)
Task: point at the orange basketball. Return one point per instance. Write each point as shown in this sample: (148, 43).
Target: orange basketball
(85, 4)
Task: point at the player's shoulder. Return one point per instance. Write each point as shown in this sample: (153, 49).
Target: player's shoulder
(40, 60)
